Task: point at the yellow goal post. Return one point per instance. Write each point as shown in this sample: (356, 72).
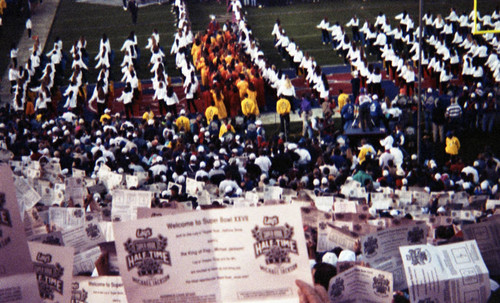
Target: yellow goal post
(481, 32)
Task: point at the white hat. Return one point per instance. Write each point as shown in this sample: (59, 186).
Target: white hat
(124, 150)
(429, 90)
(217, 164)
(414, 157)
(437, 176)
(201, 149)
(394, 212)
(81, 121)
(324, 180)
(473, 95)
(151, 122)
(479, 84)
(98, 141)
(385, 173)
(202, 164)
(330, 258)
(405, 181)
(346, 256)
(490, 94)
(485, 185)
(441, 209)
(316, 182)
(258, 122)
(252, 156)
(375, 97)
(120, 170)
(107, 111)
(192, 158)
(292, 146)
(476, 163)
(182, 112)
(222, 151)
(181, 179)
(98, 133)
(372, 211)
(195, 138)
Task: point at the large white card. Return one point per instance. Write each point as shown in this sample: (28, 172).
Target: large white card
(54, 271)
(222, 255)
(447, 273)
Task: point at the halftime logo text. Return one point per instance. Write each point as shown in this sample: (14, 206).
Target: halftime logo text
(149, 256)
(276, 244)
(78, 295)
(48, 276)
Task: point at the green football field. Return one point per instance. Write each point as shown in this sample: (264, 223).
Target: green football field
(299, 20)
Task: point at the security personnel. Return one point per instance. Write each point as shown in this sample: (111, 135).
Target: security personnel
(347, 114)
(182, 122)
(283, 108)
(210, 112)
(249, 108)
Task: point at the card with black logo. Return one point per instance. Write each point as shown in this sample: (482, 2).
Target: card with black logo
(219, 255)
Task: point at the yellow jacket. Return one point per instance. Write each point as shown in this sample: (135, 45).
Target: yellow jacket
(223, 129)
(283, 106)
(252, 94)
(249, 107)
(242, 87)
(210, 112)
(183, 123)
(148, 116)
(104, 116)
(452, 146)
(219, 103)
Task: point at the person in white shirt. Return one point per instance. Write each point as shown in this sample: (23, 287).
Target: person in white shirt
(42, 100)
(71, 95)
(171, 100)
(381, 20)
(29, 26)
(354, 24)
(160, 96)
(99, 96)
(13, 54)
(13, 77)
(428, 19)
(324, 25)
(276, 30)
(127, 98)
